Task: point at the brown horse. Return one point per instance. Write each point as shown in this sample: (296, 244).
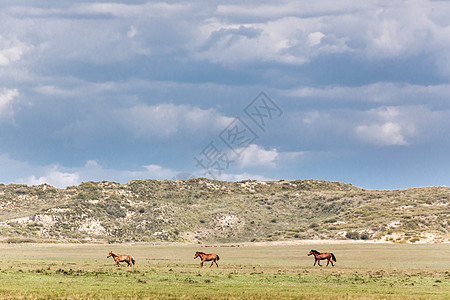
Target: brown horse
(207, 257)
(121, 258)
(319, 256)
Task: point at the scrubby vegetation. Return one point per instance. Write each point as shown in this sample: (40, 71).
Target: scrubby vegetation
(203, 210)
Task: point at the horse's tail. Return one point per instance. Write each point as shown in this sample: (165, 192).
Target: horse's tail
(217, 257)
(332, 256)
(132, 260)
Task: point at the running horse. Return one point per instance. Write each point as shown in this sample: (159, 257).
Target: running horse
(118, 258)
(319, 256)
(207, 257)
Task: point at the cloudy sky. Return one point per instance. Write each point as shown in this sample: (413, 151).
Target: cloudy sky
(352, 91)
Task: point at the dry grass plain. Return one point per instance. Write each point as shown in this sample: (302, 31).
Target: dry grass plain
(168, 271)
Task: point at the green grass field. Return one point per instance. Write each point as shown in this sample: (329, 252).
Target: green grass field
(363, 271)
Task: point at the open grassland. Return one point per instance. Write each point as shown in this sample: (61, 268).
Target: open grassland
(363, 271)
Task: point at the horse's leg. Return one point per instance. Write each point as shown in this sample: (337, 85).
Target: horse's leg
(328, 261)
(211, 263)
(318, 262)
(216, 263)
(201, 264)
(315, 260)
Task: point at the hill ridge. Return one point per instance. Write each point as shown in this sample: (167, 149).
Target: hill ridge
(209, 211)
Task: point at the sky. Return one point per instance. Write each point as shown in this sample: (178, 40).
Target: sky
(351, 91)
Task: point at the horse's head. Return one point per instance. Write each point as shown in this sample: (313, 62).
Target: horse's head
(198, 253)
(312, 252)
(109, 254)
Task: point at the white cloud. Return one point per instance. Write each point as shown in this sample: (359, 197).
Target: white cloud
(132, 32)
(256, 156)
(297, 32)
(380, 126)
(55, 177)
(9, 55)
(387, 134)
(11, 50)
(156, 171)
(315, 38)
(289, 40)
(400, 29)
(24, 172)
(390, 126)
(7, 97)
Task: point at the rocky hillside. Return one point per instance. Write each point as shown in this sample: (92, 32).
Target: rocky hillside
(203, 210)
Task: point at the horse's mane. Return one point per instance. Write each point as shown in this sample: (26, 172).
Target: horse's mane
(315, 251)
(201, 252)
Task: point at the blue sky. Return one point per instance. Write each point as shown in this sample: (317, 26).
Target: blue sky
(357, 91)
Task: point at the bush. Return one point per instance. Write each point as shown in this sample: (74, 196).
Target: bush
(116, 211)
(414, 239)
(19, 240)
(352, 235)
(332, 220)
(364, 236)
(21, 190)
